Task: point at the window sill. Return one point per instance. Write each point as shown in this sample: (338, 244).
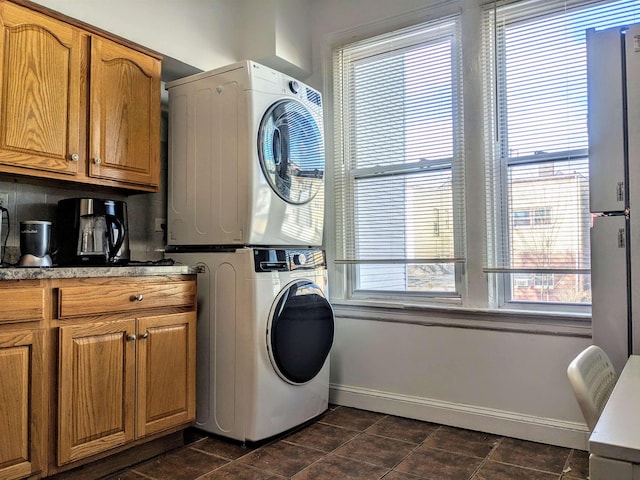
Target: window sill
(508, 320)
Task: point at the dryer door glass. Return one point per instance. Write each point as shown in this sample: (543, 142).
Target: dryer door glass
(300, 332)
(291, 151)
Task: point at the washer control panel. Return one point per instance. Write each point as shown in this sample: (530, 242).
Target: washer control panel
(283, 260)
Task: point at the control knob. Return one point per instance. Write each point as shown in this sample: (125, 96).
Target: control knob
(299, 259)
(294, 86)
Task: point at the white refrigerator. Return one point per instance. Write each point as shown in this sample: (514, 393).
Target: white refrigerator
(613, 73)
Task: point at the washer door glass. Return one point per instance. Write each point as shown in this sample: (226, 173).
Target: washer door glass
(300, 332)
(291, 151)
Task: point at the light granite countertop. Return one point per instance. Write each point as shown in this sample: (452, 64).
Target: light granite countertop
(36, 273)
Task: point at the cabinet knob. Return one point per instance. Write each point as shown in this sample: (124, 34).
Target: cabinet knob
(75, 157)
(131, 337)
(137, 298)
(97, 161)
(144, 335)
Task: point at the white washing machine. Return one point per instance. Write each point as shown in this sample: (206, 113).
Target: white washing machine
(246, 159)
(265, 330)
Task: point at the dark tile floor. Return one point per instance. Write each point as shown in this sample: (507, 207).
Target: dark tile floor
(346, 443)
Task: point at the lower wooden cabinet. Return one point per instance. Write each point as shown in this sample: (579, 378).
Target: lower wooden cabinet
(123, 380)
(165, 368)
(22, 412)
(92, 366)
(96, 383)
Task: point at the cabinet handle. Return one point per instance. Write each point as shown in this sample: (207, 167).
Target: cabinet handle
(131, 337)
(97, 161)
(75, 157)
(136, 298)
(144, 335)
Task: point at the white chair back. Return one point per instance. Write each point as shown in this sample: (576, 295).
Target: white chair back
(592, 378)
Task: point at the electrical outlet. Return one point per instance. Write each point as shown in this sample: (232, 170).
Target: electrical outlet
(160, 224)
(4, 200)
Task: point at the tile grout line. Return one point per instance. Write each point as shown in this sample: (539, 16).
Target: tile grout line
(567, 464)
(391, 469)
(413, 451)
(486, 458)
(360, 433)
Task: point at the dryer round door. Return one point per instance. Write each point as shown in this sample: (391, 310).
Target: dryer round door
(291, 151)
(300, 332)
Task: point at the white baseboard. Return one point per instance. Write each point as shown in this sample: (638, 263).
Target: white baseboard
(498, 422)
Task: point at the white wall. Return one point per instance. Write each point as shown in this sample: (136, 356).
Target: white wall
(204, 34)
(276, 34)
(497, 374)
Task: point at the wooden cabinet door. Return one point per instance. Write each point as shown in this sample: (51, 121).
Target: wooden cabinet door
(95, 388)
(166, 354)
(39, 91)
(22, 403)
(124, 114)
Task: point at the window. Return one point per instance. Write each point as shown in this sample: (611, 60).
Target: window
(542, 216)
(521, 218)
(537, 162)
(402, 158)
(399, 166)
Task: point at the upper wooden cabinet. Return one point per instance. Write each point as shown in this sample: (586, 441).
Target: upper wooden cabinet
(76, 105)
(39, 91)
(125, 114)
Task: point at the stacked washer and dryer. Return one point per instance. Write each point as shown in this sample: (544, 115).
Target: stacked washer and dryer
(246, 207)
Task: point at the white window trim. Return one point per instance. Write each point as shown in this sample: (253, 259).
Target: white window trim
(477, 297)
(473, 291)
(445, 27)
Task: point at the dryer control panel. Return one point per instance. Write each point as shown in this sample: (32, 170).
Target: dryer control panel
(283, 260)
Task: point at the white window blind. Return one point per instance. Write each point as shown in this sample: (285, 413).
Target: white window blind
(399, 168)
(537, 161)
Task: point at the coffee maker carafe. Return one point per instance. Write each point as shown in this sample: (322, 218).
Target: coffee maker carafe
(101, 235)
(92, 231)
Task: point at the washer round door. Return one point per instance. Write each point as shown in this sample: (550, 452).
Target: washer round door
(291, 151)
(300, 332)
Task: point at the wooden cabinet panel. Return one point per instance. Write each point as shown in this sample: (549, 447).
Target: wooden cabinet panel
(39, 91)
(165, 389)
(22, 401)
(125, 378)
(22, 304)
(74, 104)
(77, 301)
(96, 388)
(122, 377)
(124, 114)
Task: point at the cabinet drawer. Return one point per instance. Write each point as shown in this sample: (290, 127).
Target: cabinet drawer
(21, 304)
(77, 301)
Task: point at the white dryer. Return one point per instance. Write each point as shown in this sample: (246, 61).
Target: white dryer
(265, 330)
(246, 159)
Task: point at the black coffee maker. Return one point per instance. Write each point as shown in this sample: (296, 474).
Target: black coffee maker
(92, 231)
